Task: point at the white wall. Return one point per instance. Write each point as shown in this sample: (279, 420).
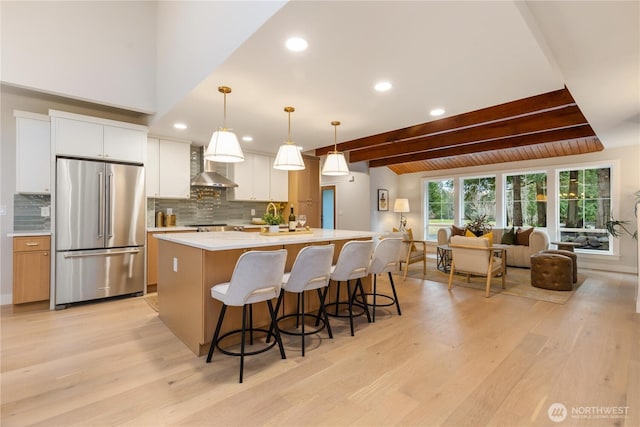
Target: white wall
(102, 51)
(352, 198)
(196, 37)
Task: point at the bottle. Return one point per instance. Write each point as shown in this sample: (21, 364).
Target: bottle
(292, 221)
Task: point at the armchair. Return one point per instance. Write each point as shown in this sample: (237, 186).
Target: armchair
(472, 255)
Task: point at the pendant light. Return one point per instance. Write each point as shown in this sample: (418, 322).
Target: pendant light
(289, 157)
(224, 146)
(335, 163)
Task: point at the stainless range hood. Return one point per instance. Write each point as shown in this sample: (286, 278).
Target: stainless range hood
(210, 178)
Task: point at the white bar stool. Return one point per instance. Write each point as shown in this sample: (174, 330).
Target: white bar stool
(311, 270)
(257, 277)
(353, 264)
(385, 260)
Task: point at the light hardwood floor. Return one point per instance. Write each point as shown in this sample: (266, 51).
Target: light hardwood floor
(451, 359)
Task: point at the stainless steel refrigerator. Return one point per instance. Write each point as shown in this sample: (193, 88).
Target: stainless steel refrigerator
(100, 230)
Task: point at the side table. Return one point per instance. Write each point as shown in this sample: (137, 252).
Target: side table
(567, 246)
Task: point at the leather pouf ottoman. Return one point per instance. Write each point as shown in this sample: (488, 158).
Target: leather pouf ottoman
(572, 255)
(552, 271)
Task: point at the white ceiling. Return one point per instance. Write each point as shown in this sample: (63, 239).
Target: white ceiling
(461, 56)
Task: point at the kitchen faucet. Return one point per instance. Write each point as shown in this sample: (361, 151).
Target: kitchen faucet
(275, 209)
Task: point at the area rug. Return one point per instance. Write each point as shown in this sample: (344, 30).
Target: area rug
(517, 283)
(152, 300)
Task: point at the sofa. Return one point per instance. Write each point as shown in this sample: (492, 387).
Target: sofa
(517, 255)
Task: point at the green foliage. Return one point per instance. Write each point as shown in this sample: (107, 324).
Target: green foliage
(272, 219)
(479, 226)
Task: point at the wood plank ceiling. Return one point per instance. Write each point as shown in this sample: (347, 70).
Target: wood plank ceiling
(541, 126)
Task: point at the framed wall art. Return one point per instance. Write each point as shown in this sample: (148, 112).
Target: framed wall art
(383, 199)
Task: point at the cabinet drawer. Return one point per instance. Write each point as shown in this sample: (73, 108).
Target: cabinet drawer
(35, 243)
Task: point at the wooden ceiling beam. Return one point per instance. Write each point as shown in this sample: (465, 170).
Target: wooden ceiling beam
(570, 116)
(519, 107)
(582, 131)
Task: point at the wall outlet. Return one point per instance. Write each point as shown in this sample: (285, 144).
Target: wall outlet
(253, 212)
(175, 264)
(44, 211)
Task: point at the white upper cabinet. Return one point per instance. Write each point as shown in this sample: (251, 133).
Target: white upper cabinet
(257, 180)
(168, 169)
(33, 153)
(124, 144)
(278, 184)
(94, 138)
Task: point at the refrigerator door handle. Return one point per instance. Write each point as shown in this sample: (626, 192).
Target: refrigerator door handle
(100, 205)
(109, 220)
(111, 252)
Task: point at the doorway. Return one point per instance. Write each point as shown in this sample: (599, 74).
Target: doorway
(328, 215)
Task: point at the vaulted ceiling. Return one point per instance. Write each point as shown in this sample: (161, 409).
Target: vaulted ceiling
(546, 125)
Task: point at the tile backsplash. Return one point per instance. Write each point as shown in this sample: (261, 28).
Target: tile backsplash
(27, 212)
(205, 206)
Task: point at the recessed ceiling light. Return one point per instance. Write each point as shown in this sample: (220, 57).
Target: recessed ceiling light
(437, 112)
(247, 138)
(296, 44)
(179, 126)
(382, 86)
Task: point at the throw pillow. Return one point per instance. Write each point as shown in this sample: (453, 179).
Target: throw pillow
(469, 233)
(489, 237)
(509, 237)
(522, 236)
(457, 231)
(409, 233)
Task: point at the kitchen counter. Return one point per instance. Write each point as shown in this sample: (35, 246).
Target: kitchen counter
(189, 264)
(29, 233)
(176, 228)
(225, 240)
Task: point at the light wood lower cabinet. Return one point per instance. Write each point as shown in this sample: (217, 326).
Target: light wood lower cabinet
(31, 269)
(152, 258)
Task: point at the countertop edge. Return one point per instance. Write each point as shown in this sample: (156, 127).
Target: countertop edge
(28, 233)
(221, 241)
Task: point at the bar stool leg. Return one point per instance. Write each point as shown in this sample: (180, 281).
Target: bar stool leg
(375, 292)
(244, 321)
(364, 299)
(274, 325)
(301, 299)
(350, 305)
(216, 334)
(323, 310)
(395, 295)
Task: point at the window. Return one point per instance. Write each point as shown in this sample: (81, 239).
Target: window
(526, 200)
(479, 198)
(584, 205)
(440, 197)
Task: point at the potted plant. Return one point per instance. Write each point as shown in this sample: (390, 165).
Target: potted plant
(479, 226)
(273, 220)
(617, 227)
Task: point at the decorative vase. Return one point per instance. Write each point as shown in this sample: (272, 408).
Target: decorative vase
(274, 228)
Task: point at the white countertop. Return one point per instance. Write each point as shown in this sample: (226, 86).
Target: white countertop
(174, 228)
(220, 241)
(29, 233)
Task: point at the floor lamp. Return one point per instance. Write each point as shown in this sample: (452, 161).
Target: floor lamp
(402, 206)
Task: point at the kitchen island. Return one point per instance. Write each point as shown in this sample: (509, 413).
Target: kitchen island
(191, 263)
